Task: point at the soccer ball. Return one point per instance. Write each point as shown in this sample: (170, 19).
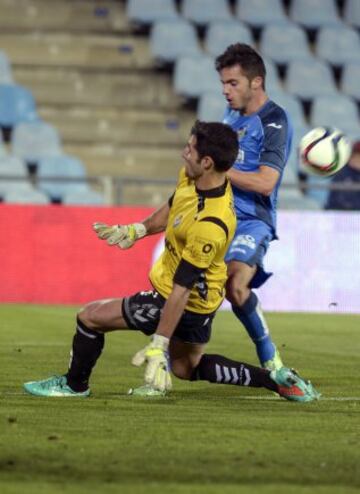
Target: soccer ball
(324, 151)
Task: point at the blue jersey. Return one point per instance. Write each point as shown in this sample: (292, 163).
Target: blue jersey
(264, 139)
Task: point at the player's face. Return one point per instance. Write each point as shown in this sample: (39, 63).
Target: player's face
(236, 87)
(193, 166)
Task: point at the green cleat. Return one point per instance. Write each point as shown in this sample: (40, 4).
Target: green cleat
(273, 364)
(292, 387)
(145, 391)
(54, 386)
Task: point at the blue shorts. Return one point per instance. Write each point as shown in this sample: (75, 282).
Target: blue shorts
(250, 244)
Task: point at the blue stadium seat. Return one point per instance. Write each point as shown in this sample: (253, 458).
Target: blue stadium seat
(170, 40)
(194, 76)
(221, 34)
(340, 112)
(292, 105)
(317, 191)
(201, 12)
(313, 14)
(5, 69)
(13, 174)
(272, 82)
(84, 198)
(62, 166)
(17, 105)
(350, 80)
(309, 78)
(257, 13)
(338, 44)
(289, 199)
(352, 12)
(26, 195)
(146, 12)
(277, 36)
(34, 140)
(211, 106)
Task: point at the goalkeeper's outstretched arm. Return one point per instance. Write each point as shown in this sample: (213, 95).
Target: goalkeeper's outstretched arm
(124, 236)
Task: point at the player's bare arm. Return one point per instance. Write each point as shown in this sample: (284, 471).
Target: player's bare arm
(173, 309)
(262, 181)
(157, 221)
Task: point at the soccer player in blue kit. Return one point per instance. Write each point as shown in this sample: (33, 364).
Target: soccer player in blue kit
(265, 135)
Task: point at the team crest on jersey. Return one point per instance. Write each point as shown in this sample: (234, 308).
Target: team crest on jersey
(177, 221)
(241, 133)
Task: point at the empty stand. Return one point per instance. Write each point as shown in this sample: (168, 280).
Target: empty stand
(350, 80)
(5, 69)
(340, 112)
(145, 12)
(194, 76)
(352, 12)
(211, 106)
(32, 141)
(17, 105)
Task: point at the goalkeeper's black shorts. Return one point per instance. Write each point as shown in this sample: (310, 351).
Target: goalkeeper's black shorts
(142, 311)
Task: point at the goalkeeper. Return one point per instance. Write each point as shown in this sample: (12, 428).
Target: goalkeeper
(188, 281)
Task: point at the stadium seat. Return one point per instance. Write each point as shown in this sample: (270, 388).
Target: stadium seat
(276, 36)
(313, 14)
(5, 69)
(201, 12)
(290, 172)
(211, 106)
(352, 12)
(194, 76)
(309, 78)
(26, 195)
(13, 174)
(272, 83)
(338, 44)
(257, 13)
(170, 40)
(350, 80)
(62, 166)
(221, 34)
(17, 105)
(83, 198)
(317, 191)
(145, 12)
(34, 140)
(340, 112)
(292, 105)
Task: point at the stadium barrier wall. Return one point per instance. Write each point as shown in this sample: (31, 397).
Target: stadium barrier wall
(50, 254)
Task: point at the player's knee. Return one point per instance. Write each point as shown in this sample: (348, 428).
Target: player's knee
(181, 369)
(88, 316)
(236, 293)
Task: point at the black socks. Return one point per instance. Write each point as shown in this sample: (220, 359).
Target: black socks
(221, 370)
(86, 349)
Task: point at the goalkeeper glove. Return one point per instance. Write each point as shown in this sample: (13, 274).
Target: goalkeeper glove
(124, 236)
(157, 372)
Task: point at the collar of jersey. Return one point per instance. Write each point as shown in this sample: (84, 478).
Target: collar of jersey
(217, 192)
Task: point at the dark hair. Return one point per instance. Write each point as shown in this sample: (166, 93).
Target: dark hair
(244, 55)
(218, 141)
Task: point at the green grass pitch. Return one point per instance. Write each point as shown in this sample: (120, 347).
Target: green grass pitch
(202, 439)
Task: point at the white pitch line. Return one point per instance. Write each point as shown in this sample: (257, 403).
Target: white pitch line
(248, 398)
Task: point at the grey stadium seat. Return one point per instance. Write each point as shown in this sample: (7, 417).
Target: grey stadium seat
(13, 174)
(221, 34)
(5, 69)
(28, 195)
(194, 76)
(309, 78)
(202, 12)
(276, 36)
(34, 140)
(147, 12)
(260, 12)
(313, 14)
(292, 105)
(338, 44)
(352, 12)
(340, 112)
(211, 106)
(170, 40)
(83, 198)
(350, 80)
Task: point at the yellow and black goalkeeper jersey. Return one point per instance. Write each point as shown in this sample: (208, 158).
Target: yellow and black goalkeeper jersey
(200, 227)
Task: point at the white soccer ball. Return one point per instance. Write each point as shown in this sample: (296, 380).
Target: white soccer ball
(324, 151)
